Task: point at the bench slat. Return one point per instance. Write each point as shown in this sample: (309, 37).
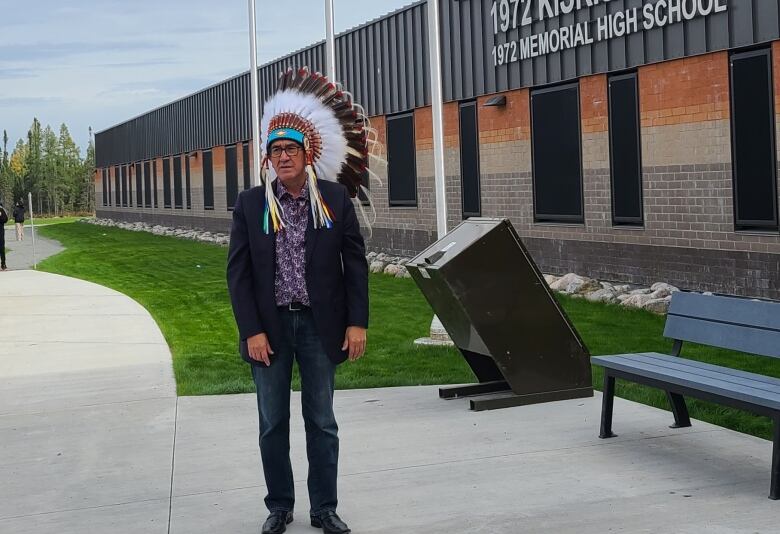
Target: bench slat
(744, 311)
(767, 383)
(628, 364)
(727, 336)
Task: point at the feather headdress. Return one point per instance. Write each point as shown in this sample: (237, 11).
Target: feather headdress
(335, 134)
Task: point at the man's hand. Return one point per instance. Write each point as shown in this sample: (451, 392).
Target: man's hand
(259, 349)
(355, 341)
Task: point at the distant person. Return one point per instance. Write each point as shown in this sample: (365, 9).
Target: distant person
(3, 220)
(19, 220)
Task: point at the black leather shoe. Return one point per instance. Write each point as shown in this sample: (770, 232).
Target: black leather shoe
(277, 522)
(330, 523)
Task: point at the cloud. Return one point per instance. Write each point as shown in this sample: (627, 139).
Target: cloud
(13, 101)
(43, 51)
(13, 73)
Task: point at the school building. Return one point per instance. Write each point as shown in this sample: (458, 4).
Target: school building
(627, 140)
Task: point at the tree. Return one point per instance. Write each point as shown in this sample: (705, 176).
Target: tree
(49, 165)
(17, 166)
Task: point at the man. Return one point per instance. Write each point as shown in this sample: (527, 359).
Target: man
(3, 220)
(19, 220)
(299, 292)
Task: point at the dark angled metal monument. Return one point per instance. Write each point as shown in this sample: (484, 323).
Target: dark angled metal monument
(494, 302)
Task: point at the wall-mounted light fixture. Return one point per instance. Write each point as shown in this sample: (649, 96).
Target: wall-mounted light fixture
(498, 101)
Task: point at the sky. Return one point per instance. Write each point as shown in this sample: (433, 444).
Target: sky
(100, 62)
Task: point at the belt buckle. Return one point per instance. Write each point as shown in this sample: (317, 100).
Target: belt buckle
(295, 306)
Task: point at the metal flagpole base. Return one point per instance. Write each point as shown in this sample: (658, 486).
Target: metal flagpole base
(510, 400)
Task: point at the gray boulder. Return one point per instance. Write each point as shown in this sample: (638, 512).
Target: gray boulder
(391, 269)
(641, 291)
(563, 282)
(659, 306)
(637, 301)
(377, 266)
(601, 295)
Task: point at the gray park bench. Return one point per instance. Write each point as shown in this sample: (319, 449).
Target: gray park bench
(735, 323)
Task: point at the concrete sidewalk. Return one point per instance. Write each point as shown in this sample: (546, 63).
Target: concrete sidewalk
(20, 253)
(87, 409)
(94, 440)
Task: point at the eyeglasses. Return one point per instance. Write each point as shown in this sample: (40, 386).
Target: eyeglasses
(290, 150)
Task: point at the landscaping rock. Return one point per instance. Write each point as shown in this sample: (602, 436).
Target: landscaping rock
(563, 282)
(659, 306)
(588, 285)
(637, 300)
(662, 290)
(642, 291)
(402, 272)
(391, 269)
(377, 266)
(602, 295)
(551, 279)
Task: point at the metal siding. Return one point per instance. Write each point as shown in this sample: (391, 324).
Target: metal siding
(554, 60)
(741, 29)
(420, 58)
(616, 47)
(468, 50)
(766, 26)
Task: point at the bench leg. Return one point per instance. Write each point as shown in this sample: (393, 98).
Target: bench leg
(607, 402)
(774, 486)
(679, 409)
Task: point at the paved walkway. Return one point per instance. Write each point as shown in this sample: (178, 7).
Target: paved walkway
(20, 253)
(94, 440)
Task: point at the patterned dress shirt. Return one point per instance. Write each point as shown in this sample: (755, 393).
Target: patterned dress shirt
(290, 284)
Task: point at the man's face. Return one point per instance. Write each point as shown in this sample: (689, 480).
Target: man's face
(288, 160)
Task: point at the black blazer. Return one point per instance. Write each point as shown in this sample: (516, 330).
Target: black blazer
(336, 272)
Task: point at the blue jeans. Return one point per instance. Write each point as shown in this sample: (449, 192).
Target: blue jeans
(299, 341)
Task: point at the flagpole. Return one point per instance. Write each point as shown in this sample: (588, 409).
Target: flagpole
(330, 41)
(434, 54)
(440, 187)
(254, 94)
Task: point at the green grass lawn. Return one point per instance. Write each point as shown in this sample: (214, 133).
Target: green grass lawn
(182, 284)
(47, 221)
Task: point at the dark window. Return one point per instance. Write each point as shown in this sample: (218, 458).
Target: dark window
(557, 169)
(469, 160)
(187, 181)
(401, 160)
(147, 185)
(365, 180)
(117, 187)
(753, 143)
(124, 185)
(139, 192)
(105, 188)
(208, 181)
(231, 176)
(177, 196)
(166, 183)
(130, 185)
(247, 167)
(624, 150)
(154, 177)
